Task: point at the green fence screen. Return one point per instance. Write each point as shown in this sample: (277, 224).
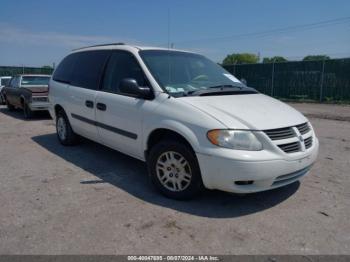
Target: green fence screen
(15, 70)
(325, 80)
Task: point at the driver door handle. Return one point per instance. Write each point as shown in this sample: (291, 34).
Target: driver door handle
(101, 106)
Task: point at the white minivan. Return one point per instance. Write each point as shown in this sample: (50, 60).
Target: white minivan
(194, 123)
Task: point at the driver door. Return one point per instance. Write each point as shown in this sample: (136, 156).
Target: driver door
(119, 117)
(13, 92)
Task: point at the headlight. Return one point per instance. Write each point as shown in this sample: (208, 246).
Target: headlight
(235, 139)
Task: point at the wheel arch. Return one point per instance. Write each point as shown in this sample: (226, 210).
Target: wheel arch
(173, 131)
(58, 108)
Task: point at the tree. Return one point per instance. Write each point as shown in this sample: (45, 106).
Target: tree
(242, 58)
(316, 57)
(275, 59)
(47, 67)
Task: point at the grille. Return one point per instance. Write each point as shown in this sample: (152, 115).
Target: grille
(308, 142)
(39, 99)
(284, 179)
(290, 147)
(280, 133)
(303, 128)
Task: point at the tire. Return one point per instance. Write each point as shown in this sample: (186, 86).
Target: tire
(65, 133)
(9, 106)
(26, 111)
(177, 164)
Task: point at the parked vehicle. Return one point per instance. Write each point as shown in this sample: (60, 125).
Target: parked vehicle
(27, 92)
(194, 123)
(4, 81)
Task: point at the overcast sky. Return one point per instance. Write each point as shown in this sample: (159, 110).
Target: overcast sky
(41, 32)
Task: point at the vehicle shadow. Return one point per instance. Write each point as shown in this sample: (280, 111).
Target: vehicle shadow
(130, 175)
(18, 114)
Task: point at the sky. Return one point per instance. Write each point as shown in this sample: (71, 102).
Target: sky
(40, 32)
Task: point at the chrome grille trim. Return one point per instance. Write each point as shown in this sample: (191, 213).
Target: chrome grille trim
(290, 147)
(308, 142)
(294, 137)
(303, 128)
(280, 133)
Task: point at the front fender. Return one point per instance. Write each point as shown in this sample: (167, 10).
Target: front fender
(177, 127)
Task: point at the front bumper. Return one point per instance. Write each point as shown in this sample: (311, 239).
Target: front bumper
(39, 106)
(239, 176)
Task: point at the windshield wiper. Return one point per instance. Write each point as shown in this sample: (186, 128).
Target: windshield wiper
(220, 90)
(225, 86)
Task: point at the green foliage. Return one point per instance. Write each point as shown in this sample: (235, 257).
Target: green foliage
(276, 59)
(316, 57)
(242, 58)
(47, 67)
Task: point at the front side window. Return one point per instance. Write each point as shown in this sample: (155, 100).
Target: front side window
(35, 80)
(14, 82)
(122, 65)
(182, 73)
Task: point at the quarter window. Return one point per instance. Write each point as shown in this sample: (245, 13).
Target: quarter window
(65, 68)
(122, 65)
(88, 69)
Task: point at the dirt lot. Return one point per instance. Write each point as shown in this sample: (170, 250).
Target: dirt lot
(89, 199)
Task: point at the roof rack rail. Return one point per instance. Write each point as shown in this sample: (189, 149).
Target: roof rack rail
(98, 45)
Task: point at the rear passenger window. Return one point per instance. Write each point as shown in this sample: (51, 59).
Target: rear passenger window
(88, 69)
(122, 65)
(64, 70)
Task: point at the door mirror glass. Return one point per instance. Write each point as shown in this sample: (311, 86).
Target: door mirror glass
(130, 86)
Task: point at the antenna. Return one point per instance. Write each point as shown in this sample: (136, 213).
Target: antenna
(168, 27)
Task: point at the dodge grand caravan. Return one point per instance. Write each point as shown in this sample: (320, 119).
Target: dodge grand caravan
(194, 123)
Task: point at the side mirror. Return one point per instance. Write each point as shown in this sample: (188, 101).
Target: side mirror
(130, 86)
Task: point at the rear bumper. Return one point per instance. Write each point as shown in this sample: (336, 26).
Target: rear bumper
(239, 176)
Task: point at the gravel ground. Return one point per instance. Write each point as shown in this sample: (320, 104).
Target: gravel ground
(89, 199)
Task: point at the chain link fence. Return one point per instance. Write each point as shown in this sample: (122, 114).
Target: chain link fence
(323, 80)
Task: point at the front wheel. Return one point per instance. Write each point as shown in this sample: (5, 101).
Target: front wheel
(27, 112)
(65, 133)
(174, 170)
(9, 106)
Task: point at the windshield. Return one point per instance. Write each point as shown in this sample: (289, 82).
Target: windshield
(180, 73)
(5, 81)
(35, 80)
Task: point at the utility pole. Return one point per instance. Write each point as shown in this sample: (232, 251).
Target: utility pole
(272, 76)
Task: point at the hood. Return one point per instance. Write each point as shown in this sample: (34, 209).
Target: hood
(37, 89)
(250, 111)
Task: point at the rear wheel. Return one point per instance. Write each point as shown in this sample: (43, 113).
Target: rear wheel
(174, 170)
(65, 133)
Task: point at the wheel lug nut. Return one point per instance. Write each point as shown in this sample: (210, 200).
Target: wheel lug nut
(168, 168)
(171, 175)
